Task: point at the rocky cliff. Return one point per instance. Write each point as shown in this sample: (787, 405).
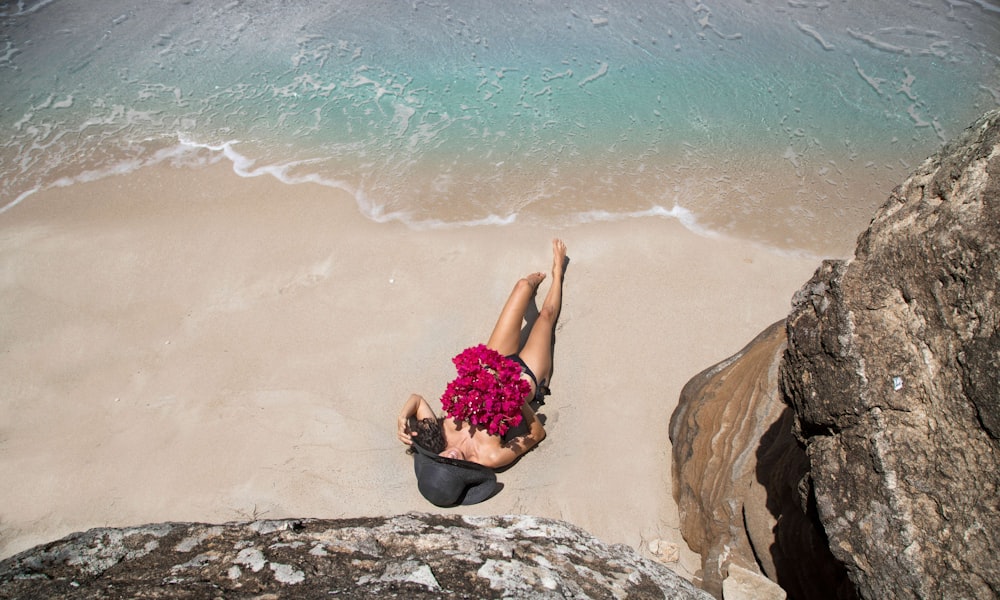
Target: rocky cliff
(892, 369)
(891, 376)
(738, 471)
(409, 556)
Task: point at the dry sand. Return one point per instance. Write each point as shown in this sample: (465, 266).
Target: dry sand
(195, 346)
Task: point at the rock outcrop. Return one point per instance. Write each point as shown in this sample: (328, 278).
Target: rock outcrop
(409, 556)
(892, 369)
(880, 439)
(737, 473)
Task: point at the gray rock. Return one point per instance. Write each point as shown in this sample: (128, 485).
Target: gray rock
(408, 556)
(892, 369)
(868, 465)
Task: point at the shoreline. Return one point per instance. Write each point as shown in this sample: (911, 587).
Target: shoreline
(190, 345)
(704, 203)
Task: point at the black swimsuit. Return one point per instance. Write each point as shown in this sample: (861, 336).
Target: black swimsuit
(535, 403)
(540, 390)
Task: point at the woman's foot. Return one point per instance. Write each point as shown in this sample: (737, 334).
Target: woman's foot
(534, 279)
(558, 257)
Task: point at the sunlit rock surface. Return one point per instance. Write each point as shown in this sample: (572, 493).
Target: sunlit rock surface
(870, 423)
(892, 369)
(408, 556)
(737, 473)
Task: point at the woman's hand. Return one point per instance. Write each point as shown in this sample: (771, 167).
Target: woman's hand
(415, 406)
(403, 430)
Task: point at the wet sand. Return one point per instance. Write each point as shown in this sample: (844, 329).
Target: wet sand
(195, 346)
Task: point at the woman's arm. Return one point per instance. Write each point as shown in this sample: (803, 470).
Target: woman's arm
(415, 406)
(504, 454)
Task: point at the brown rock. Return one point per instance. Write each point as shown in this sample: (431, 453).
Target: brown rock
(742, 584)
(737, 474)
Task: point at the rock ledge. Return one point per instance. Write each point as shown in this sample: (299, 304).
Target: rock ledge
(414, 556)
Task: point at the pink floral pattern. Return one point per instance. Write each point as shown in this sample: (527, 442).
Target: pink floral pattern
(488, 391)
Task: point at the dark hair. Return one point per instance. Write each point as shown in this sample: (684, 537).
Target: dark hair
(429, 434)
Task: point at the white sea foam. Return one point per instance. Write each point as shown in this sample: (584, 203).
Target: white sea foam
(487, 221)
(245, 166)
(22, 8)
(18, 200)
(986, 6)
(121, 167)
(588, 112)
(602, 70)
(811, 31)
(678, 213)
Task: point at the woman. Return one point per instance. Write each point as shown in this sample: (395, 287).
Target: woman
(454, 455)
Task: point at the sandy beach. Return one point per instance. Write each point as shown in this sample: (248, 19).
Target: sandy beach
(196, 346)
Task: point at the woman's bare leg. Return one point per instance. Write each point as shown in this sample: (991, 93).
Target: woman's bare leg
(537, 351)
(506, 336)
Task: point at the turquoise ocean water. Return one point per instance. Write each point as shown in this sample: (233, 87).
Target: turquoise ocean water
(776, 120)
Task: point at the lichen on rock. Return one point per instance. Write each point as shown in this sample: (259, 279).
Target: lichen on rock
(413, 555)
